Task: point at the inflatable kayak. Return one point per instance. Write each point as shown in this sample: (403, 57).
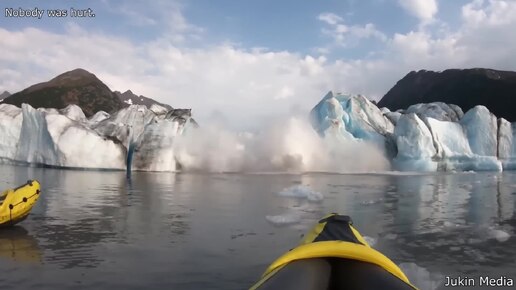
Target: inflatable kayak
(16, 204)
(333, 255)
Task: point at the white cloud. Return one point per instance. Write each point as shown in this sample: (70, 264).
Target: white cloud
(165, 16)
(422, 9)
(330, 18)
(247, 85)
(492, 13)
(348, 35)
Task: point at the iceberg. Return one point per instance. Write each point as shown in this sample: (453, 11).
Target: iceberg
(425, 137)
(350, 117)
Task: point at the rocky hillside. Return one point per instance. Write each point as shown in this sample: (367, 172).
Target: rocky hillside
(78, 87)
(4, 95)
(466, 88)
(129, 98)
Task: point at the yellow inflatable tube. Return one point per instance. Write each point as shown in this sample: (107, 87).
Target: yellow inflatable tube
(16, 204)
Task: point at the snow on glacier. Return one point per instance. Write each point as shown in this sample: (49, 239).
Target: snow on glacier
(10, 127)
(437, 110)
(97, 118)
(73, 112)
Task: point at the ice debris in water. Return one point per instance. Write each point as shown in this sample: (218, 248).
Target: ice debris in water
(421, 277)
(499, 235)
(301, 191)
(284, 219)
(391, 236)
(370, 240)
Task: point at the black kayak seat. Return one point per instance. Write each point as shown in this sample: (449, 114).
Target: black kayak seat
(333, 274)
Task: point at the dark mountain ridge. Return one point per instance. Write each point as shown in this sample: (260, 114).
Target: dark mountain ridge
(78, 87)
(463, 87)
(129, 98)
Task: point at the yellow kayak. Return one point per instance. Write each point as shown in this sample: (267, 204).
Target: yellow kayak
(333, 255)
(16, 204)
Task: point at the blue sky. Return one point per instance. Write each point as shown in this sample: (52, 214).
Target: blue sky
(252, 59)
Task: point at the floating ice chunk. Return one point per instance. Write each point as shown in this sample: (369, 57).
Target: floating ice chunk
(499, 235)
(391, 236)
(371, 201)
(421, 277)
(301, 191)
(282, 220)
(370, 240)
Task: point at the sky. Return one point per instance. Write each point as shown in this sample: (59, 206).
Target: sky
(251, 61)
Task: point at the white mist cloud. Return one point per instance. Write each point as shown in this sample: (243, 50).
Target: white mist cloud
(287, 144)
(348, 35)
(424, 10)
(248, 86)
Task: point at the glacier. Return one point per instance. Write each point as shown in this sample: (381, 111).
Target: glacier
(66, 138)
(344, 133)
(425, 137)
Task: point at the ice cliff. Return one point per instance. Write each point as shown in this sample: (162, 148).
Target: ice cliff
(425, 137)
(66, 138)
(351, 135)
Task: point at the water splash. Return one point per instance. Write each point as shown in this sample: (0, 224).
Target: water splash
(290, 145)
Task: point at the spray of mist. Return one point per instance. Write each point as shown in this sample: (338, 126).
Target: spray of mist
(289, 145)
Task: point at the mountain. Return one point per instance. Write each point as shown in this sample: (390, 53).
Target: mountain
(78, 87)
(129, 98)
(4, 95)
(466, 88)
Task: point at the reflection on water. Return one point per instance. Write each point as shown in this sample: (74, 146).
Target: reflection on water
(209, 231)
(18, 245)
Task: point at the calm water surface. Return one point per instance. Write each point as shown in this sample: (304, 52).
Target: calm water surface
(96, 230)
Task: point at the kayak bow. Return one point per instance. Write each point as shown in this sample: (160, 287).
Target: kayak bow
(333, 255)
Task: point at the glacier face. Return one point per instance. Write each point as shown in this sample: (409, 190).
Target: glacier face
(351, 117)
(425, 137)
(351, 134)
(65, 138)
